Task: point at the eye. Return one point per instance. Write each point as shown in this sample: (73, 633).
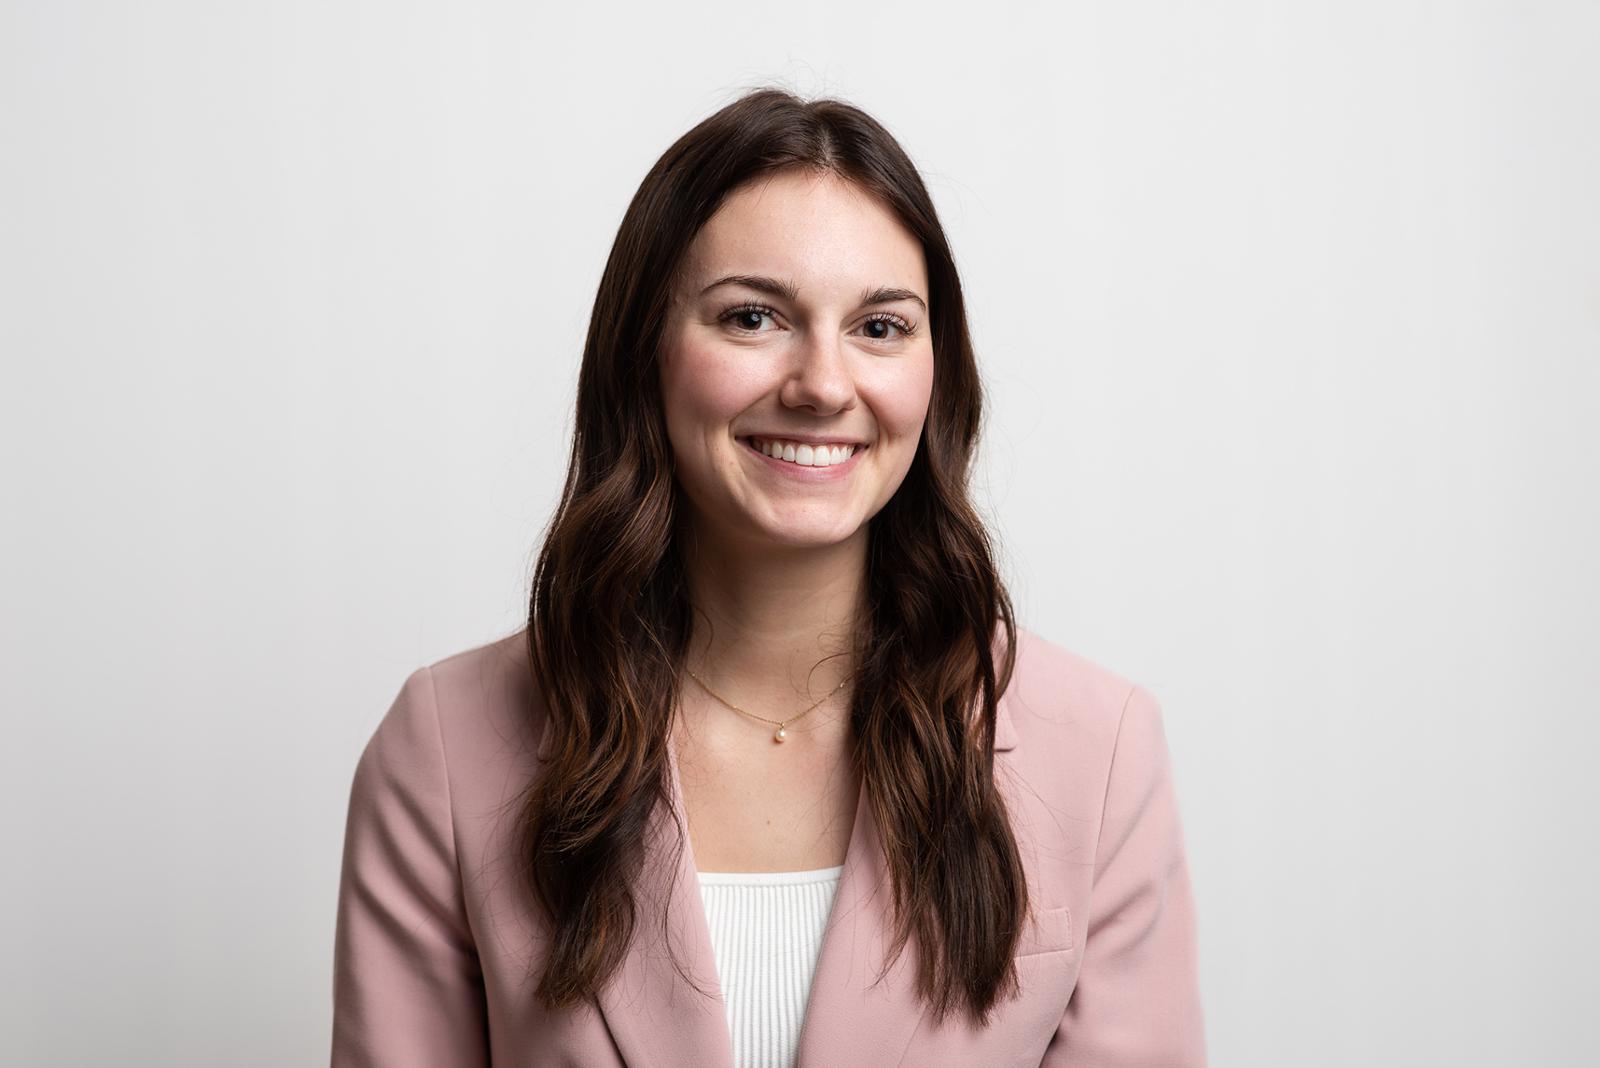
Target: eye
(890, 319)
(741, 314)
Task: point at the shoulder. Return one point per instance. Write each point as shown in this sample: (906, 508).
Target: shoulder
(486, 678)
(465, 725)
(485, 700)
(1069, 711)
(1055, 685)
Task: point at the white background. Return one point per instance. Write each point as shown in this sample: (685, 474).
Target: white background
(1290, 316)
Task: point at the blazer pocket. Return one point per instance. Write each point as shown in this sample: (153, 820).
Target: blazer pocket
(1049, 931)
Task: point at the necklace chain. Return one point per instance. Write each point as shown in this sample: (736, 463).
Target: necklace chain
(782, 732)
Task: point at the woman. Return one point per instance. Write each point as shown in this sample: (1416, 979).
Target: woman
(771, 776)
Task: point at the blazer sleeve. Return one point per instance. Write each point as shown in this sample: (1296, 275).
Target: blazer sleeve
(1137, 1001)
(407, 983)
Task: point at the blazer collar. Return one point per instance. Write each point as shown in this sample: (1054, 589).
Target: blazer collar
(657, 1018)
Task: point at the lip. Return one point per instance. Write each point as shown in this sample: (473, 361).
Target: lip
(809, 439)
(831, 473)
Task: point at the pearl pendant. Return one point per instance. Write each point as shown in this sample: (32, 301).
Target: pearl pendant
(779, 736)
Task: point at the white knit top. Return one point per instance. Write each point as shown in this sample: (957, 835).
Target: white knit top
(766, 931)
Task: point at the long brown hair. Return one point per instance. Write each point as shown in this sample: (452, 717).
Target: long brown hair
(609, 622)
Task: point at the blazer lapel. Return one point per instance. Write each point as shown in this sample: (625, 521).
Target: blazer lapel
(850, 1018)
(655, 1016)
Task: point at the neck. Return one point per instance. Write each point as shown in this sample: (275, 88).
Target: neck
(774, 627)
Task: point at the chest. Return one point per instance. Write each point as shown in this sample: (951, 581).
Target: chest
(767, 808)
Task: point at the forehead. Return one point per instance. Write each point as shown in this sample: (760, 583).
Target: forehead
(830, 237)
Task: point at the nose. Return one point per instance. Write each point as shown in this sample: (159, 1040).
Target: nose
(820, 378)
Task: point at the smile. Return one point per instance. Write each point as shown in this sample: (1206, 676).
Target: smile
(800, 460)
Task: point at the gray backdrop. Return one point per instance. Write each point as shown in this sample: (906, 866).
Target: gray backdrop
(1290, 317)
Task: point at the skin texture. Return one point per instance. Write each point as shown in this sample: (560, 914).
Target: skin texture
(776, 565)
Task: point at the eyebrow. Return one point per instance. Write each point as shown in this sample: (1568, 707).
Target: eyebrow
(789, 291)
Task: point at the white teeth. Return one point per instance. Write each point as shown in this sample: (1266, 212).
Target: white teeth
(806, 454)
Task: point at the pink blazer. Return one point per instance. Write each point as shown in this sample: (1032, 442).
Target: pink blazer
(434, 952)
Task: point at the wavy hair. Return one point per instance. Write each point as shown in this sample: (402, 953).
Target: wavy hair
(609, 620)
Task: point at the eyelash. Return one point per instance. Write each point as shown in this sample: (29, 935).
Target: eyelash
(905, 328)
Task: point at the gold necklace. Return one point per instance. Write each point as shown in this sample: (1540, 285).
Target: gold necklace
(782, 731)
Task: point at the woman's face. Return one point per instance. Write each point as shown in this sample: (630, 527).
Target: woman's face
(799, 327)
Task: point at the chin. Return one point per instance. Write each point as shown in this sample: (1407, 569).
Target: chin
(805, 537)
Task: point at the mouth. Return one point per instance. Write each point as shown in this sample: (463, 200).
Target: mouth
(798, 460)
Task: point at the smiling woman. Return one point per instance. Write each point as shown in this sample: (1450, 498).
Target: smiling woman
(772, 776)
(832, 357)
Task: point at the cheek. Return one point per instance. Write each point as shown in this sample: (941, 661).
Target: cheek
(901, 399)
(702, 390)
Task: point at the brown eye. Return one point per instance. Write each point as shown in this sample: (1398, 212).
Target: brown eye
(746, 318)
(878, 328)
